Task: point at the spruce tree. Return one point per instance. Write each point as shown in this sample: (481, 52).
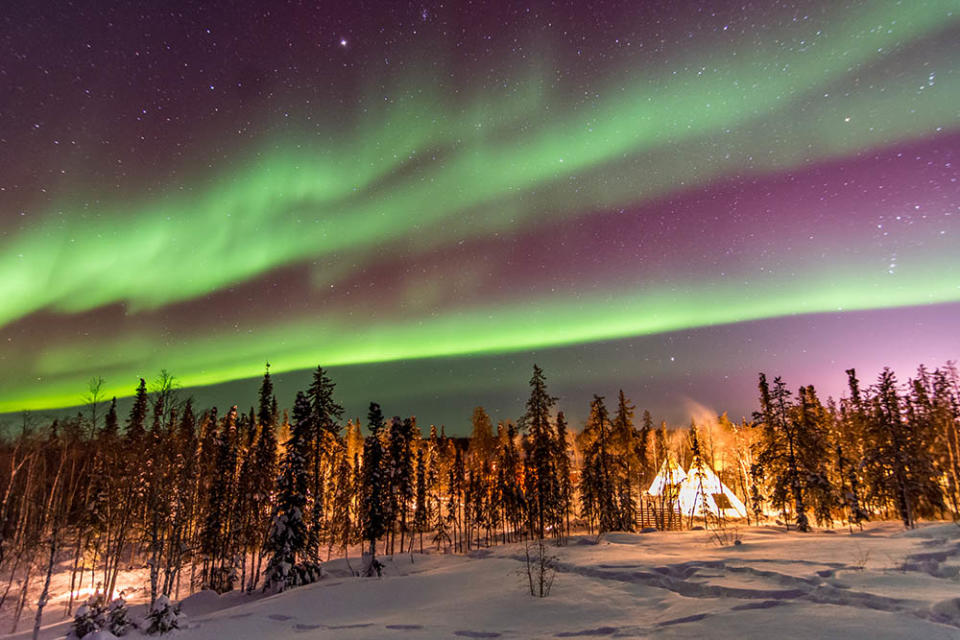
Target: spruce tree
(184, 470)
(266, 405)
(778, 454)
(217, 538)
(421, 514)
(373, 518)
(405, 471)
(136, 422)
(287, 538)
(623, 439)
(598, 467)
(849, 450)
(482, 443)
(508, 489)
(263, 467)
(325, 415)
(899, 463)
(564, 481)
(813, 446)
(943, 413)
(340, 523)
(457, 499)
(540, 453)
(111, 428)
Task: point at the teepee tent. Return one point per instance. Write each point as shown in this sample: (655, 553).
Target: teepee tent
(668, 479)
(702, 492)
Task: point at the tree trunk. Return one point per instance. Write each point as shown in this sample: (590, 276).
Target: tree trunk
(22, 600)
(73, 572)
(45, 593)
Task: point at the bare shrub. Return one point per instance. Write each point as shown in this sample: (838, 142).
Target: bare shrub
(541, 567)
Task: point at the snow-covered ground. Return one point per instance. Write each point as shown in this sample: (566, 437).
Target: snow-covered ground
(878, 584)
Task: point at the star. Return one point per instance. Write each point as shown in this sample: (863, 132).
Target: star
(343, 42)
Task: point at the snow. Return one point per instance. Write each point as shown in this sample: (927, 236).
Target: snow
(880, 584)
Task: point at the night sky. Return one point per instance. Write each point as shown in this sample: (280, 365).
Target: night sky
(666, 197)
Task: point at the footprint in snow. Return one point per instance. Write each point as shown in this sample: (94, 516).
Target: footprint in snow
(765, 604)
(404, 627)
(699, 616)
(279, 616)
(477, 634)
(358, 625)
(308, 627)
(599, 631)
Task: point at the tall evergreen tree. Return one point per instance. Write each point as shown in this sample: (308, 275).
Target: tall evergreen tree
(813, 430)
(185, 472)
(287, 538)
(457, 499)
(623, 439)
(941, 408)
(540, 452)
(374, 485)
(136, 422)
(421, 514)
(900, 466)
(217, 543)
(110, 423)
(778, 455)
(510, 489)
(399, 468)
(341, 525)
(849, 450)
(564, 480)
(482, 443)
(598, 465)
(266, 406)
(325, 415)
(262, 469)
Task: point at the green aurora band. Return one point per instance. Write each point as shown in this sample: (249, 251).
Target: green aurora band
(424, 173)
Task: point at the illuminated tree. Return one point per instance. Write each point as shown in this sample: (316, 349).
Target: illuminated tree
(287, 538)
(325, 414)
(897, 457)
(540, 464)
(598, 463)
(564, 481)
(777, 458)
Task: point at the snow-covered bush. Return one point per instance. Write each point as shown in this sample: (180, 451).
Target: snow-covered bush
(118, 618)
(164, 617)
(278, 573)
(88, 619)
(306, 572)
(283, 576)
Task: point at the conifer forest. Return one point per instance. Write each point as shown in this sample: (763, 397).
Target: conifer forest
(258, 499)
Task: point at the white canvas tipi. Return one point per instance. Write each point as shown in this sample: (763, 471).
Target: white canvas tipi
(668, 479)
(702, 492)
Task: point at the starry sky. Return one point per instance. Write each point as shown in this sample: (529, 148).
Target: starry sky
(427, 198)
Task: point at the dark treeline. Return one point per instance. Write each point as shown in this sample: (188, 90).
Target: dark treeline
(258, 498)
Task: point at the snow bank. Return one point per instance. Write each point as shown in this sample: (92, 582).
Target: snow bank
(882, 584)
(663, 585)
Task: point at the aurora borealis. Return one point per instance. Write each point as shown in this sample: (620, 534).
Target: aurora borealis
(207, 189)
